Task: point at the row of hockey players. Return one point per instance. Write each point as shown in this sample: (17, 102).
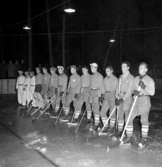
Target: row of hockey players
(94, 91)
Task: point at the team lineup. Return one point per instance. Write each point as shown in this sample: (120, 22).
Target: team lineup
(108, 102)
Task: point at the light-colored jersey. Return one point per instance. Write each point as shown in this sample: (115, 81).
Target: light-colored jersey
(38, 79)
(53, 81)
(32, 82)
(149, 83)
(62, 82)
(111, 84)
(27, 84)
(46, 79)
(96, 82)
(20, 81)
(125, 88)
(74, 83)
(85, 81)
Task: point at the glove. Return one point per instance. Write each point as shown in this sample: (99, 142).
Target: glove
(118, 101)
(101, 98)
(76, 96)
(136, 93)
(56, 91)
(61, 94)
(142, 85)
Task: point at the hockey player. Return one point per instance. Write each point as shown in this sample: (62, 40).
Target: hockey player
(110, 87)
(96, 91)
(73, 90)
(53, 85)
(124, 94)
(38, 80)
(45, 83)
(26, 90)
(32, 85)
(143, 104)
(85, 92)
(19, 87)
(62, 85)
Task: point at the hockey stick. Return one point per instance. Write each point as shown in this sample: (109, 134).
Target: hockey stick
(112, 112)
(129, 116)
(80, 122)
(59, 115)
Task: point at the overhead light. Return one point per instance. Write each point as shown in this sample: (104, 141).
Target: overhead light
(69, 10)
(27, 28)
(112, 40)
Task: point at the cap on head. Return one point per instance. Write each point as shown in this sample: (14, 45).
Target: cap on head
(20, 71)
(32, 72)
(53, 68)
(84, 67)
(94, 65)
(109, 67)
(37, 68)
(127, 63)
(73, 66)
(60, 67)
(26, 72)
(144, 63)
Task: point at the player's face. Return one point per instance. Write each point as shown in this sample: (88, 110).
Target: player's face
(37, 70)
(31, 74)
(51, 71)
(26, 74)
(20, 73)
(108, 72)
(125, 68)
(142, 69)
(84, 71)
(93, 69)
(44, 70)
(73, 70)
(60, 70)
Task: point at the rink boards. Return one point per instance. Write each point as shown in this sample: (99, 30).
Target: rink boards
(7, 86)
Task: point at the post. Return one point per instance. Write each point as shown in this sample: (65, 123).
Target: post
(49, 35)
(30, 62)
(63, 39)
(120, 49)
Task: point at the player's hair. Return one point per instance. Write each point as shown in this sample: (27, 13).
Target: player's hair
(127, 63)
(52, 68)
(144, 63)
(109, 67)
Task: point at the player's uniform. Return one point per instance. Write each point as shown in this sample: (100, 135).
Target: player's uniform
(125, 90)
(84, 96)
(62, 86)
(19, 87)
(110, 87)
(143, 104)
(73, 92)
(96, 89)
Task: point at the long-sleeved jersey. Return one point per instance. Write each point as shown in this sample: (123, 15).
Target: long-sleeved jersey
(74, 84)
(20, 81)
(111, 84)
(125, 88)
(149, 83)
(96, 82)
(62, 82)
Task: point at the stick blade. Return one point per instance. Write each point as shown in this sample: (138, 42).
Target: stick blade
(64, 120)
(102, 133)
(53, 117)
(70, 124)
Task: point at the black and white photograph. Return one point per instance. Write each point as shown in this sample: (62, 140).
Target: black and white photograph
(81, 83)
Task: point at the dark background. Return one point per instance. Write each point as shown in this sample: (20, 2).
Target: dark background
(138, 32)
